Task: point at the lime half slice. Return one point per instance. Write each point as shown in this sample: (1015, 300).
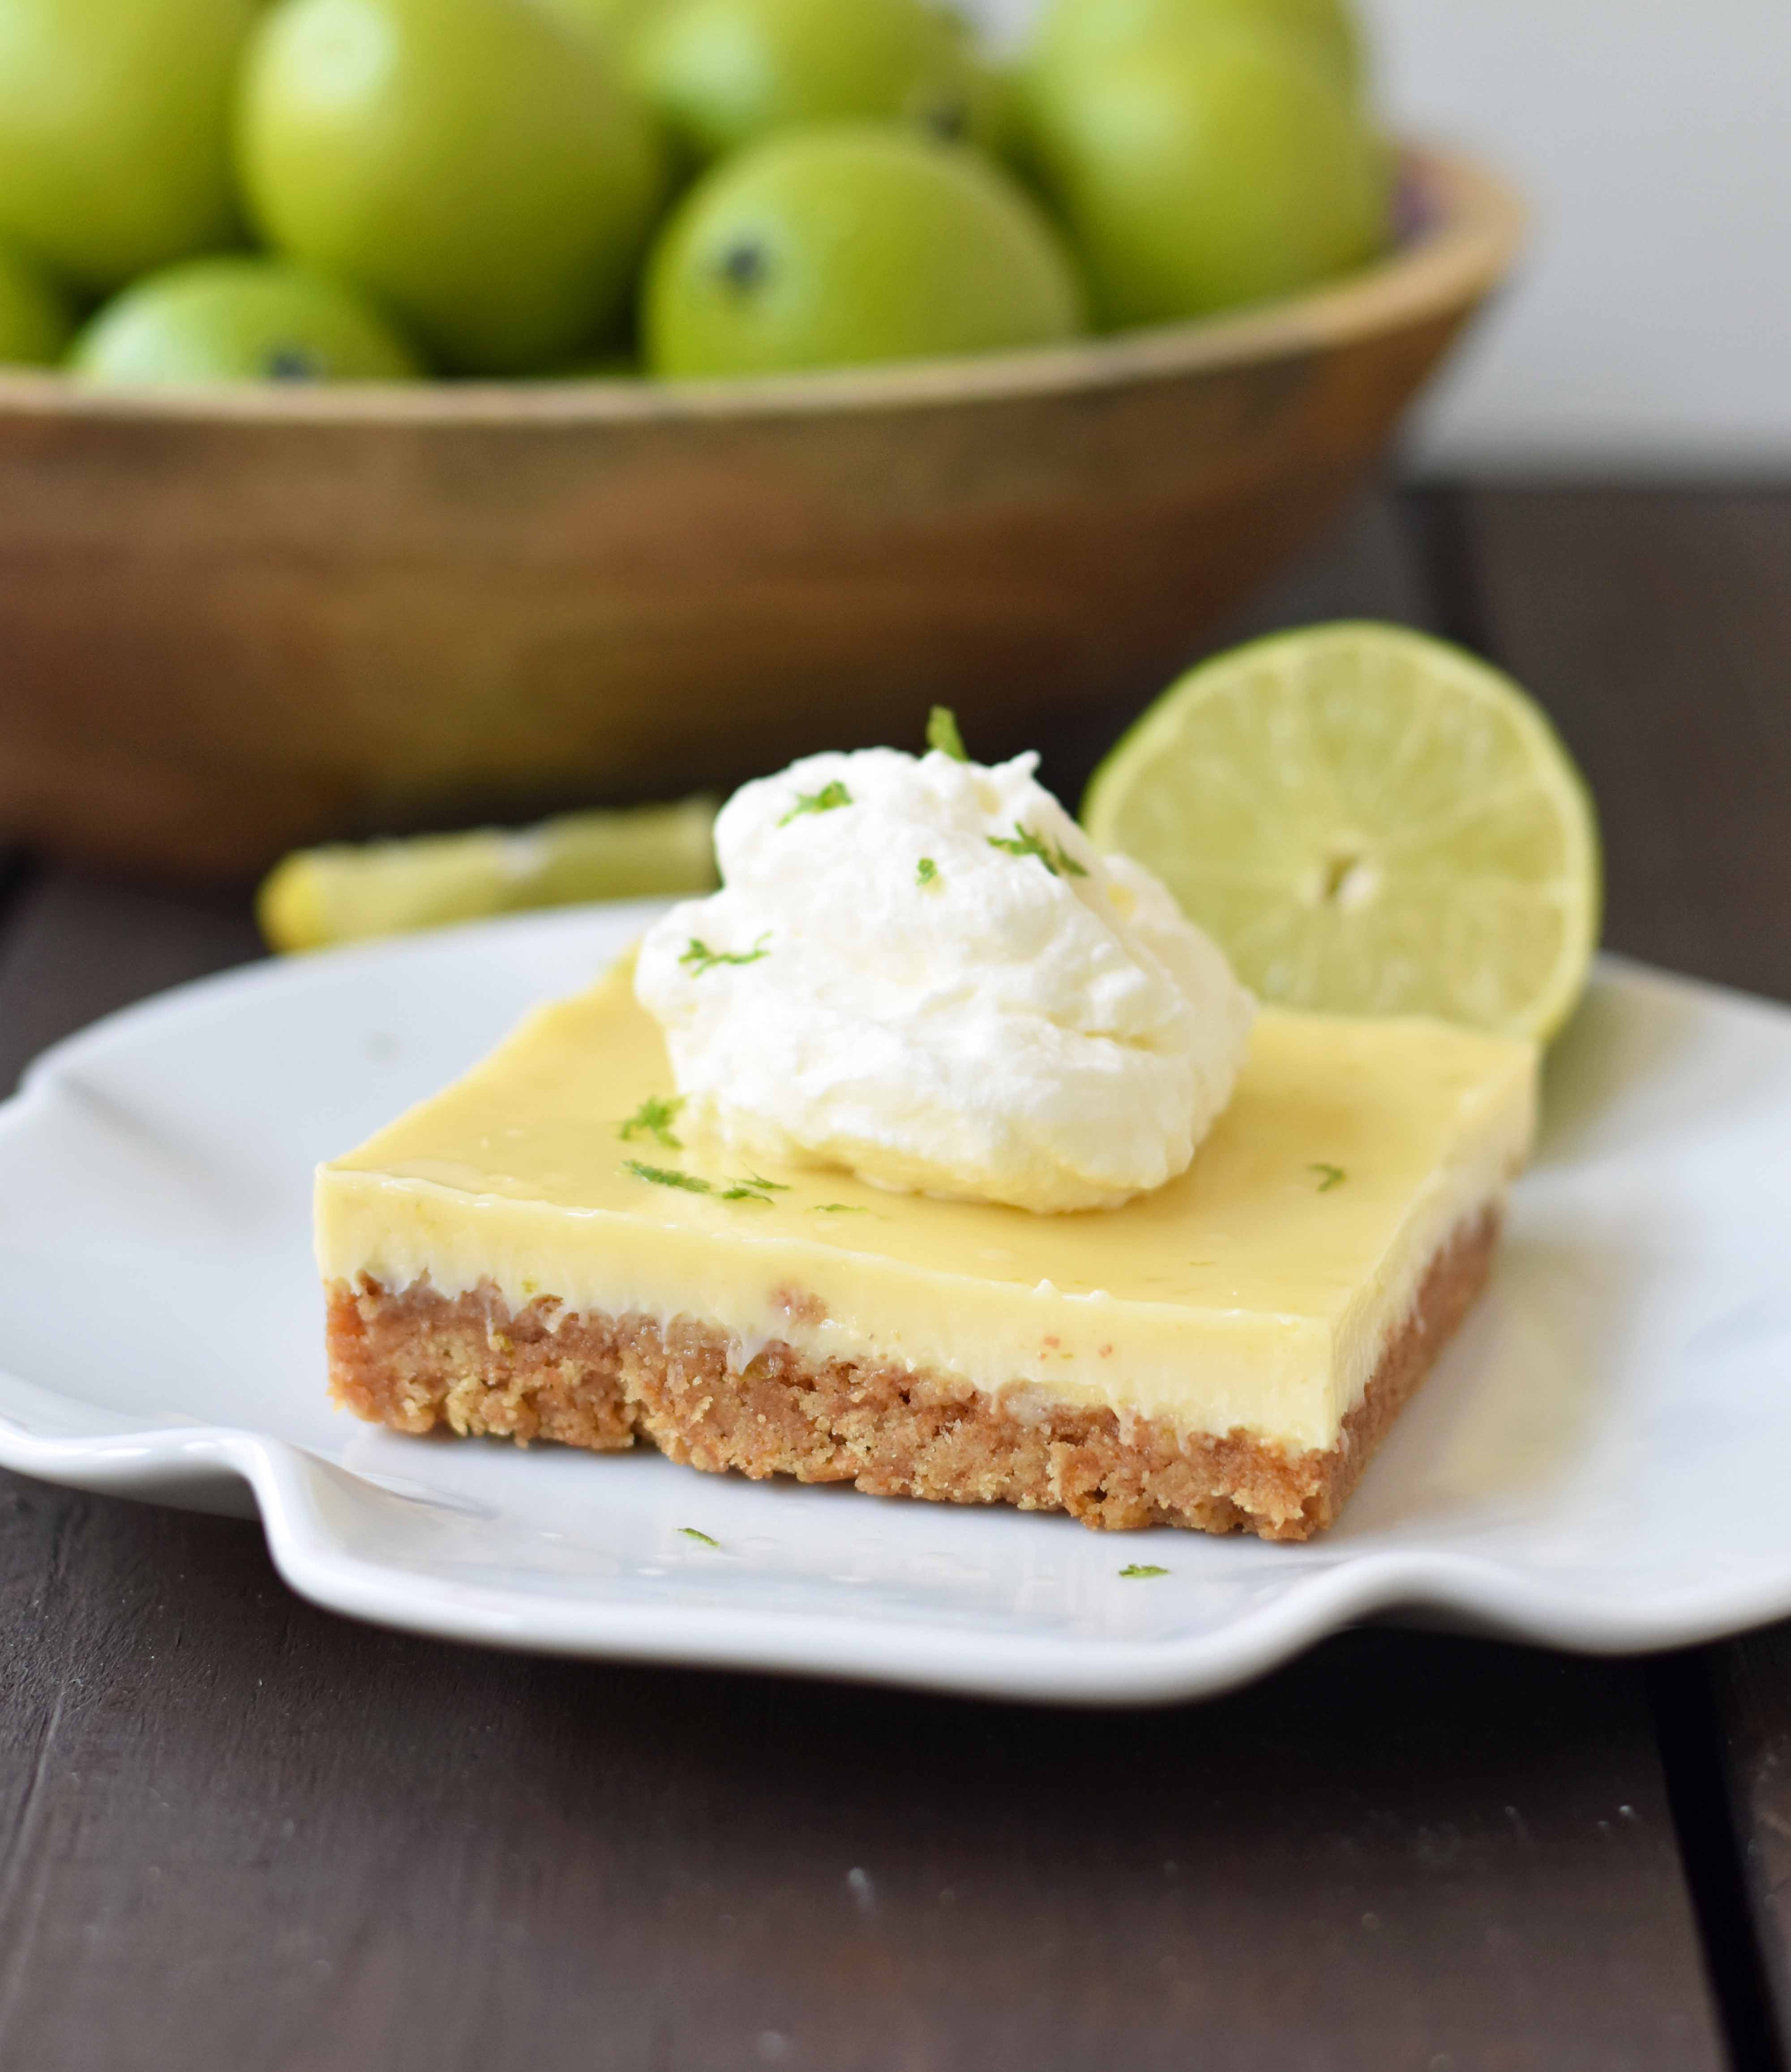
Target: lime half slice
(1368, 821)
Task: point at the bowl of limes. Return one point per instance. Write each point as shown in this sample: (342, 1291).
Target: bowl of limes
(414, 407)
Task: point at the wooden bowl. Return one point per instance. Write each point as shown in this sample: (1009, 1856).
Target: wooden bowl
(233, 619)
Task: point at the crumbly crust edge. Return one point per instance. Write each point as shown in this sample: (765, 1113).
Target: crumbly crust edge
(415, 1360)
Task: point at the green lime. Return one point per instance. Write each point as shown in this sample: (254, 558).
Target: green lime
(1368, 821)
(1069, 33)
(723, 72)
(609, 23)
(238, 318)
(990, 119)
(114, 131)
(472, 163)
(348, 892)
(35, 320)
(1205, 167)
(617, 366)
(848, 244)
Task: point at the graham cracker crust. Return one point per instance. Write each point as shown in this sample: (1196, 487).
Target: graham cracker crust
(413, 1359)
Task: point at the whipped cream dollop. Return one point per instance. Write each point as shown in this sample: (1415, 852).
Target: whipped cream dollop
(920, 969)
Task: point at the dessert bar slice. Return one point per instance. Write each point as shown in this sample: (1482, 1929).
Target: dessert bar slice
(539, 1253)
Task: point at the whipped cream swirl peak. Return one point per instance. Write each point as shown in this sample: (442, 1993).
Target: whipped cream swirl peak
(918, 968)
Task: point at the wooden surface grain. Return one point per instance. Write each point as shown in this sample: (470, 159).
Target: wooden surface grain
(1657, 628)
(241, 1833)
(1750, 1686)
(235, 1831)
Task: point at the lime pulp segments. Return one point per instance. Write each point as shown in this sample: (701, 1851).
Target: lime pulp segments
(1368, 821)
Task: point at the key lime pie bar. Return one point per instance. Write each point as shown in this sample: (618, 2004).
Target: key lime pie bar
(937, 1153)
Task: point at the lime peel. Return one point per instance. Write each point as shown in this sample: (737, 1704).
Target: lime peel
(353, 892)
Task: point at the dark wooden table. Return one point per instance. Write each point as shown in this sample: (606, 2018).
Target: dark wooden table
(238, 1833)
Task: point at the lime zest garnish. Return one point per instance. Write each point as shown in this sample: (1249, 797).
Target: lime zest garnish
(926, 872)
(1328, 1177)
(700, 958)
(942, 733)
(654, 1118)
(828, 800)
(1024, 842)
(668, 1176)
(753, 1189)
(1139, 1571)
(702, 1539)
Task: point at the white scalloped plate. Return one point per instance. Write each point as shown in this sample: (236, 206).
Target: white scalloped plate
(1598, 1462)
